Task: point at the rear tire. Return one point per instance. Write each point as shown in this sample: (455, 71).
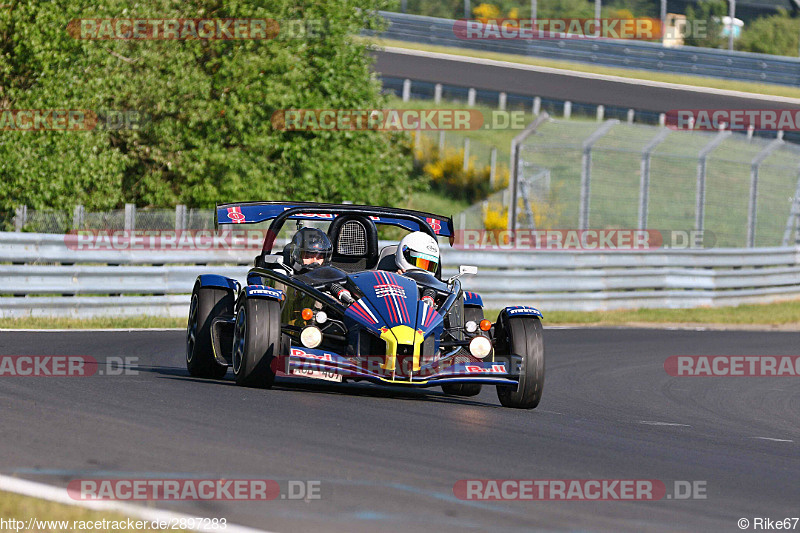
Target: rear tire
(207, 304)
(523, 336)
(256, 342)
(466, 389)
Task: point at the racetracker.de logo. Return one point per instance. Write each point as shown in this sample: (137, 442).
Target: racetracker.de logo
(558, 28)
(559, 489)
(211, 29)
(396, 120)
(71, 120)
(733, 119)
(176, 489)
(47, 366)
(575, 239)
(733, 365)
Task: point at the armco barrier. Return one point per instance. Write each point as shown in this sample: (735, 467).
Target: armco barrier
(41, 276)
(613, 53)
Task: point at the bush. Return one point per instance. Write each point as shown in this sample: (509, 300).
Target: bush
(445, 172)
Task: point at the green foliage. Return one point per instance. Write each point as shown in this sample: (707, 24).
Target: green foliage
(776, 34)
(709, 12)
(209, 103)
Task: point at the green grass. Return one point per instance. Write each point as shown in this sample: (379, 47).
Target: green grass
(93, 323)
(436, 203)
(775, 314)
(23, 508)
(697, 81)
(616, 172)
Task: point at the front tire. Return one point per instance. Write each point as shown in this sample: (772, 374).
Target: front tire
(523, 336)
(256, 342)
(207, 304)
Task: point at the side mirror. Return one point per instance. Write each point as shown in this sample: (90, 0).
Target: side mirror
(467, 270)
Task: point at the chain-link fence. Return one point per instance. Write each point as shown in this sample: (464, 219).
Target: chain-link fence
(584, 175)
(130, 218)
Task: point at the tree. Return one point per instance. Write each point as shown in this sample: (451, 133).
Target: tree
(709, 13)
(776, 34)
(208, 136)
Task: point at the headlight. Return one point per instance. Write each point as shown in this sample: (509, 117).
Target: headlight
(480, 346)
(471, 326)
(321, 317)
(311, 337)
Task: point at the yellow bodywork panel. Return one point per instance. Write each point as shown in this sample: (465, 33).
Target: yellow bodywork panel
(401, 335)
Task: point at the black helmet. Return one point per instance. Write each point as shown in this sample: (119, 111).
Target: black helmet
(308, 246)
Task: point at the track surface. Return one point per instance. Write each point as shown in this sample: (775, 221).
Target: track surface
(560, 87)
(387, 461)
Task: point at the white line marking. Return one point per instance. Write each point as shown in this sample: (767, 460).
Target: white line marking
(774, 440)
(587, 75)
(653, 423)
(60, 495)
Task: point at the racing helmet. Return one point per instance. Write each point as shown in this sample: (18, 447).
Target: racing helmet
(310, 248)
(417, 251)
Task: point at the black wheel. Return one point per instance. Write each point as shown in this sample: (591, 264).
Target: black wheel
(256, 341)
(462, 389)
(523, 337)
(207, 304)
(466, 389)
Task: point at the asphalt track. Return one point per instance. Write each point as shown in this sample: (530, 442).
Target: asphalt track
(587, 90)
(388, 460)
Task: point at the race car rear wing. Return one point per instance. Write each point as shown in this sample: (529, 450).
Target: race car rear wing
(255, 212)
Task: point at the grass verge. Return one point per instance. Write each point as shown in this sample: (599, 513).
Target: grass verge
(786, 314)
(23, 508)
(697, 81)
(133, 322)
(781, 314)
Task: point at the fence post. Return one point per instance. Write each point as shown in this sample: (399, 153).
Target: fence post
(465, 167)
(437, 93)
(567, 109)
(417, 142)
(501, 101)
(644, 184)
(631, 113)
(537, 105)
(471, 97)
(511, 190)
(130, 217)
(586, 171)
(700, 201)
(20, 217)
(793, 222)
(752, 209)
(78, 217)
(180, 217)
(492, 168)
(406, 90)
(662, 119)
(601, 113)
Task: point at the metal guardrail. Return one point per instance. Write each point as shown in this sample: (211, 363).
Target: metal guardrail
(711, 62)
(86, 284)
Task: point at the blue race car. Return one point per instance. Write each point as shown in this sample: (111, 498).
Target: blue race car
(359, 317)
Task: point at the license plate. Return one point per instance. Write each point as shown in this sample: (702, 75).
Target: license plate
(317, 374)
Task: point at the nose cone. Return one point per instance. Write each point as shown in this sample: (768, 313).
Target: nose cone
(394, 297)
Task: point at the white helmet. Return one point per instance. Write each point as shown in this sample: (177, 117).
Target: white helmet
(417, 251)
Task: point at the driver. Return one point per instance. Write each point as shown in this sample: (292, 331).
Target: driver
(417, 251)
(310, 248)
(310, 258)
